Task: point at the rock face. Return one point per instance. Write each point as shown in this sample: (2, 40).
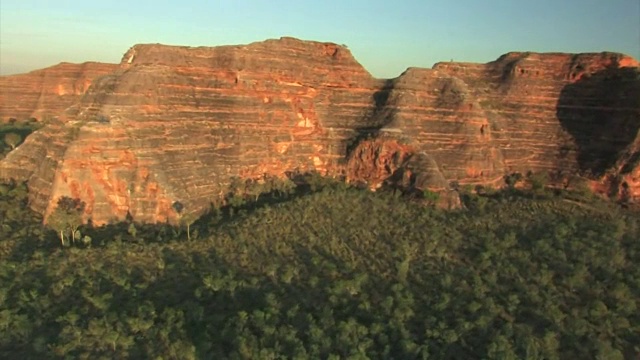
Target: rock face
(177, 123)
(47, 92)
(474, 123)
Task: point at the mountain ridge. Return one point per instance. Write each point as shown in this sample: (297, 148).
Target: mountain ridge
(175, 123)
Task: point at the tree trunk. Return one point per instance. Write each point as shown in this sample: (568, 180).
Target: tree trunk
(188, 232)
(62, 238)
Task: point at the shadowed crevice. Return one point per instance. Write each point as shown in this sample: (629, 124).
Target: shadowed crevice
(380, 116)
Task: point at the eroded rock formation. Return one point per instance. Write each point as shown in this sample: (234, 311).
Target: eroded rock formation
(47, 92)
(176, 123)
(556, 113)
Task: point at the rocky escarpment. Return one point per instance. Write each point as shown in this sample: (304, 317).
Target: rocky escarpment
(47, 92)
(177, 123)
(555, 113)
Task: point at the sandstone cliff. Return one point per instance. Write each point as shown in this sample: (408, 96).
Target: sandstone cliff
(47, 92)
(176, 123)
(556, 113)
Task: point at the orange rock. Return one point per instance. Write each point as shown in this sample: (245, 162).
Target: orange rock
(48, 92)
(173, 123)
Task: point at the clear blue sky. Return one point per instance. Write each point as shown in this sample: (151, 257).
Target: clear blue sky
(386, 36)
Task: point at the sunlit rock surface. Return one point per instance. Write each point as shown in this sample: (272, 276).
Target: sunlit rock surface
(176, 123)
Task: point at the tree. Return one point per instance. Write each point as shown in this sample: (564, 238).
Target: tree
(67, 216)
(512, 180)
(254, 189)
(184, 218)
(57, 222)
(188, 219)
(12, 139)
(132, 230)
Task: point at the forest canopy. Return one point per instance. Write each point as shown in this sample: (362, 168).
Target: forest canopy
(333, 273)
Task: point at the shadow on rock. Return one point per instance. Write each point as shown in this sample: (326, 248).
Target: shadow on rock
(601, 112)
(381, 115)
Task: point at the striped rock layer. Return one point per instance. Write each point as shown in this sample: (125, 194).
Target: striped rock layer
(176, 123)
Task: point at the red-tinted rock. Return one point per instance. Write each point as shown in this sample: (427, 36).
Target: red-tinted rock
(523, 112)
(47, 92)
(177, 123)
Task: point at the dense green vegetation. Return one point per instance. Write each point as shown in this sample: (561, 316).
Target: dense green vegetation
(329, 272)
(14, 132)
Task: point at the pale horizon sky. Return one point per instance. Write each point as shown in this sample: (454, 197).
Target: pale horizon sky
(386, 37)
